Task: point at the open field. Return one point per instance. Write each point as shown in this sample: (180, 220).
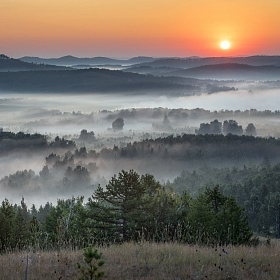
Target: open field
(151, 261)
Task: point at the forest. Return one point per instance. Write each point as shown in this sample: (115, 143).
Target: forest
(207, 204)
(130, 208)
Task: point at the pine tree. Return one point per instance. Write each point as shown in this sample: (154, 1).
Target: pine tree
(124, 206)
(7, 218)
(21, 232)
(92, 269)
(217, 219)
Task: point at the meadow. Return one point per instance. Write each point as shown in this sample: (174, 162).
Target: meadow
(151, 261)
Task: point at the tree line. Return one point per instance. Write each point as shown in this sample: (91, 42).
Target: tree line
(78, 168)
(190, 147)
(130, 208)
(11, 141)
(227, 127)
(255, 188)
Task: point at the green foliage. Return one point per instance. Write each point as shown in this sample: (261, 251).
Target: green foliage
(255, 188)
(92, 269)
(135, 208)
(7, 217)
(64, 223)
(21, 231)
(123, 208)
(166, 218)
(189, 148)
(130, 209)
(14, 230)
(216, 219)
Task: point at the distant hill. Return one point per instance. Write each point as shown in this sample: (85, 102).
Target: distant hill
(198, 61)
(148, 70)
(223, 71)
(72, 60)
(11, 64)
(231, 71)
(91, 80)
(140, 59)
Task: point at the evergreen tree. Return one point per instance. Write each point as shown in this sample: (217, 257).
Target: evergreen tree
(21, 232)
(215, 218)
(165, 219)
(7, 219)
(122, 209)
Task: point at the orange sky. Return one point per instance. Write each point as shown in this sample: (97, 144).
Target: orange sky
(125, 28)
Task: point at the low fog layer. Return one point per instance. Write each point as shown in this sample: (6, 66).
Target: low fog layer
(248, 96)
(145, 117)
(69, 114)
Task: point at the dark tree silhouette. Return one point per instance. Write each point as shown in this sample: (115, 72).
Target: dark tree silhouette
(118, 124)
(250, 130)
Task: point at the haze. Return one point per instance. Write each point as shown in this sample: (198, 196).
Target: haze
(241, 100)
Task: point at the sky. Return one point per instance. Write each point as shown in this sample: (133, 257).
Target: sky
(127, 28)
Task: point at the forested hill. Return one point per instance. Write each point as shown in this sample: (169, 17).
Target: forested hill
(190, 62)
(21, 141)
(256, 189)
(222, 71)
(190, 147)
(8, 64)
(231, 71)
(72, 60)
(186, 148)
(173, 62)
(89, 80)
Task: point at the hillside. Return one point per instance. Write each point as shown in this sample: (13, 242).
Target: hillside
(90, 80)
(11, 64)
(200, 61)
(149, 70)
(223, 71)
(231, 71)
(70, 60)
(169, 62)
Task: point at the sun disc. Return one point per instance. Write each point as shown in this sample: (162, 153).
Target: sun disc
(225, 45)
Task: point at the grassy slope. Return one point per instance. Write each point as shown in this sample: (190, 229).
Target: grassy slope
(152, 261)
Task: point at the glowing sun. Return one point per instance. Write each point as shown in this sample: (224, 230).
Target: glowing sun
(225, 45)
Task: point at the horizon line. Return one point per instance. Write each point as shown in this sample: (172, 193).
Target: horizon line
(143, 56)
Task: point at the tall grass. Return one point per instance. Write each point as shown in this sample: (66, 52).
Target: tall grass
(151, 261)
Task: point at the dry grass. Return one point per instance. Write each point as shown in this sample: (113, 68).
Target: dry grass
(151, 261)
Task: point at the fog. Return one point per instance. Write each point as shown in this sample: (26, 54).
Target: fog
(68, 114)
(65, 115)
(240, 100)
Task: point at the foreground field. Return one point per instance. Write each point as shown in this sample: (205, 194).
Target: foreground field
(150, 261)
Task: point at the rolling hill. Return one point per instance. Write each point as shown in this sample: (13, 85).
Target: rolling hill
(91, 80)
(8, 64)
(191, 62)
(223, 71)
(72, 60)
(231, 71)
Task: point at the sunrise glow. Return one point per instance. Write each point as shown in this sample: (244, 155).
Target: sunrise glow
(154, 28)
